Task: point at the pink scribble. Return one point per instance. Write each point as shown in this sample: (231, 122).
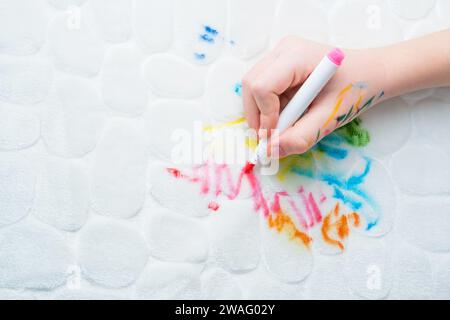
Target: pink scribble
(214, 206)
(224, 185)
(315, 207)
(323, 198)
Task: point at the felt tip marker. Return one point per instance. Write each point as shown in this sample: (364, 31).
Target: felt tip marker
(321, 75)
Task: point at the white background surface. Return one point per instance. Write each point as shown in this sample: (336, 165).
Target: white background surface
(85, 84)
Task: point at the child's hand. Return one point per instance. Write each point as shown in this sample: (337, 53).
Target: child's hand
(272, 82)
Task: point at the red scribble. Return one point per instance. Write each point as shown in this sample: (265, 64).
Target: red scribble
(224, 185)
(248, 168)
(315, 208)
(174, 172)
(276, 207)
(201, 175)
(214, 206)
(312, 210)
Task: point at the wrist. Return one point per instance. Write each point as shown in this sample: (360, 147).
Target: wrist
(417, 64)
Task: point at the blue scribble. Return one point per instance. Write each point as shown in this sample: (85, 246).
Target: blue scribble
(354, 204)
(209, 34)
(372, 224)
(210, 30)
(232, 42)
(348, 190)
(199, 56)
(238, 89)
(356, 180)
(305, 172)
(333, 139)
(333, 152)
(207, 38)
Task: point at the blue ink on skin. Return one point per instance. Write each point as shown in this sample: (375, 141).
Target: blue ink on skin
(199, 56)
(238, 89)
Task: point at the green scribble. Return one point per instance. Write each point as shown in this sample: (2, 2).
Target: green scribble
(354, 133)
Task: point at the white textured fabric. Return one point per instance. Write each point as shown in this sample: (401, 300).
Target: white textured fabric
(90, 94)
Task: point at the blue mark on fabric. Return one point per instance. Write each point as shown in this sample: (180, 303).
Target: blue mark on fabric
(356, 180)
(207, 38)
(238, 89)
(210, 30)
(303, 172)
(354, 204)
(199, 56)
(372, 224)
(346, 190)
(209, 34)
(333, 139)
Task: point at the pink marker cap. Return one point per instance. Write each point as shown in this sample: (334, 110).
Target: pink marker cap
(336, 56)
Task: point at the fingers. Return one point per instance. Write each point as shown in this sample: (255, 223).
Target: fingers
(251, 110)
(283, 73)
(303, 135)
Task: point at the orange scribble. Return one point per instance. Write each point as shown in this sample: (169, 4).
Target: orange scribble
(282, 222)
(338, 224)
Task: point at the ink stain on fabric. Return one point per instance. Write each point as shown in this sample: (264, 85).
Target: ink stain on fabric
(238, 89)
(209, 34)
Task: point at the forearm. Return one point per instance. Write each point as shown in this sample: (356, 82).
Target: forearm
(417, 64)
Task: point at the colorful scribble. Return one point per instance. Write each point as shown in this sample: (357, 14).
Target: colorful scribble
(354, 133)
(296, 213)
(336, 226)
(357, 106)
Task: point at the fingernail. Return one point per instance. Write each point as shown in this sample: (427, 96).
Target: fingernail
(274, 150)
(281, 153)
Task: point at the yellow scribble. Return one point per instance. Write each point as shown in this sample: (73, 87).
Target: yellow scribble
(338, 104)
(251, 143)
(212, 128)
(286, 165)
(358, 103)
